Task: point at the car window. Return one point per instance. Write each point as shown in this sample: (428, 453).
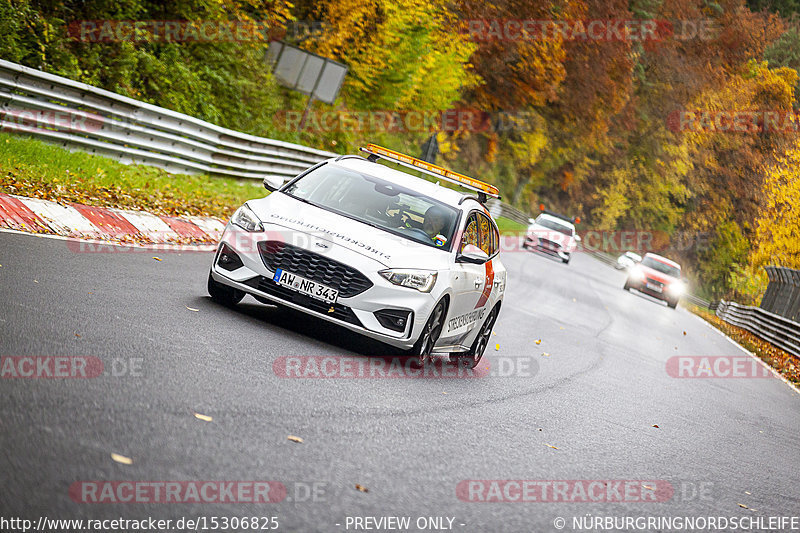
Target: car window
(555, 226)
(487, 235)
(470, 232)
(662, 267)
(379, 203)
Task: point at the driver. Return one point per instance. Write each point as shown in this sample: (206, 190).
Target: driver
(435, 222)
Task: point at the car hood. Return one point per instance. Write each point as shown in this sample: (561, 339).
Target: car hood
(550, 234)
(281, 212)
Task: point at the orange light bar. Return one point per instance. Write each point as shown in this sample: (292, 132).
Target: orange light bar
(433, 170)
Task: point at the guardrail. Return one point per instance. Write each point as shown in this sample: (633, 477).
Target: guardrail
(775, 329)
(782, 296)
(79, 116)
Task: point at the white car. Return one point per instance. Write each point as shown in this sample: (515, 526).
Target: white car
(627, 260)
(376, 250)
(553, 234)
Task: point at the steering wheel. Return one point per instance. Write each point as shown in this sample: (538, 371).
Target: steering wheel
(418, 232)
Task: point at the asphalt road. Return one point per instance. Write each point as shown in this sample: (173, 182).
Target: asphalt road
(586, 411)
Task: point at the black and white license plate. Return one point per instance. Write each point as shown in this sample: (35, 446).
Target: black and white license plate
(654, 287)
(305, 286)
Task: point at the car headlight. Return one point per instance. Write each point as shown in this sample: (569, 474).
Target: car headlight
(246, 219)
(637, 273)
(422, 280)
(677, 288)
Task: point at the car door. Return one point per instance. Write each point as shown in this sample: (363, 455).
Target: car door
(468, 281)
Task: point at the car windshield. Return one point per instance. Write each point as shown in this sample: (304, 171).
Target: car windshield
(379, 203)
(553, 225)
(664, 268)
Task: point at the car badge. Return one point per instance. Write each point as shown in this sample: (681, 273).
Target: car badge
(440, 240)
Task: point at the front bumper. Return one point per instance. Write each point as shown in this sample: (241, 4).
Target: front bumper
(554, 250)
(665, 294)
(356, 313)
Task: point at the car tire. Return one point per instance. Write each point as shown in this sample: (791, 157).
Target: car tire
(672, 304)
(627, 286)
(566, 261)
(471, 358)
(222, 293)
(423, 348)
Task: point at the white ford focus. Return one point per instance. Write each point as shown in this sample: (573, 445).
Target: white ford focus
(376, 250)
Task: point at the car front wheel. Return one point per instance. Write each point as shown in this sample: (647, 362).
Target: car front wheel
(422, 350)
(471, 358)
(222, 293)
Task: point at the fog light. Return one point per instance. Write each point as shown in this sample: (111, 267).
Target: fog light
(393, 319)
(228, 259)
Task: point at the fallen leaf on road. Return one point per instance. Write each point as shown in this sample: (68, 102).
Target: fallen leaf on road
(538, 341)
(122, 459)
(192, 309)
(684, 333)
(545, 354)
(294, 439)
(36, 281)
(77, 334)
(204, 418)
(157, 258)
(497, 347)
(362, 488)
(551, 446)
(493, 333)
(648, 487)
(655, 425)
(444, 393)
(743, 506)
(746, 492)
(561, 327)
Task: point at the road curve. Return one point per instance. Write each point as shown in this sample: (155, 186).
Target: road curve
(585, 411)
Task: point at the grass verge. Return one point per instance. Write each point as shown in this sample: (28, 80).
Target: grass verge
(785, 363)
(32, 168)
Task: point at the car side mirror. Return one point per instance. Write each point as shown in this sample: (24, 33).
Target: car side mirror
(472, 254)
(577, 238)
(531, 220)
(273, 183)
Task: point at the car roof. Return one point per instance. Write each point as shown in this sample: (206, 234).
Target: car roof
(663, 260)
(457, 199)
(557, 220)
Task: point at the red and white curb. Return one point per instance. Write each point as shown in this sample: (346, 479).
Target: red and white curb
(107, 225)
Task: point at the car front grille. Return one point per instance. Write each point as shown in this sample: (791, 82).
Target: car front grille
(339, 311)
(316, 267)
(654, 282)
(547, 243)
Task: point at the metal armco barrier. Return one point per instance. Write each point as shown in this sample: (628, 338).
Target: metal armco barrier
(81, 117)
(782, 296)
(775, 329)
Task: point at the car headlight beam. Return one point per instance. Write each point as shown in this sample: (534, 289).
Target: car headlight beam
(246, 219)
(421, 280)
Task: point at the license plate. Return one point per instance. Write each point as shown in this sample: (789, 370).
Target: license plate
(654, 287)
(305, 286)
